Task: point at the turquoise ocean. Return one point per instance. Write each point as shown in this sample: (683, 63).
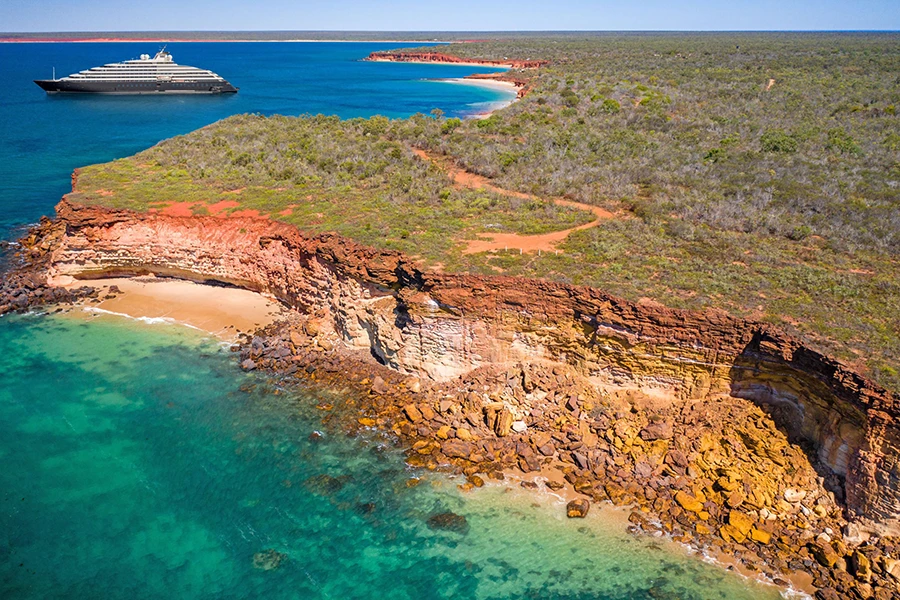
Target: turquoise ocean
(139, 462)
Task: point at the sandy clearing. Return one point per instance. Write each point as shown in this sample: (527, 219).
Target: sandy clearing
(488, 242)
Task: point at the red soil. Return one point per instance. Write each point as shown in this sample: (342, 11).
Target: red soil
(546, 242)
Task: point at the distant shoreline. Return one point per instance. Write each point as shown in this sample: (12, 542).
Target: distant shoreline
(211, 41)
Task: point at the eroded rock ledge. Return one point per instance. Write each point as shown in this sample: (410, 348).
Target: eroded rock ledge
(442, 326)
(635, 403)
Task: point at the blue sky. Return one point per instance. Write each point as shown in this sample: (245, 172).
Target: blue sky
(459, 15)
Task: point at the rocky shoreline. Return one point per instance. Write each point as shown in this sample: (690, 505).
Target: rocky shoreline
(523, 84)
(695, 476)
(23, 286)
(689, 419)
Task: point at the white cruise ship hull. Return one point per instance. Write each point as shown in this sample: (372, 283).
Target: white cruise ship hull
(145, 75)
(55, 86)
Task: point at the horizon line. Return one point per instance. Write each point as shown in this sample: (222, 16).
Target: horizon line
(446, 31)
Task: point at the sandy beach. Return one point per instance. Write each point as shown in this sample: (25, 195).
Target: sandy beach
(221, 311)
(493, 84)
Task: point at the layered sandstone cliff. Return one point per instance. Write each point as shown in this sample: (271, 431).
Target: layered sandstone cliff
(443, 326)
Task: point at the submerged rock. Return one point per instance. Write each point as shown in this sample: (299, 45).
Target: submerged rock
(324, 484)
(365, 508)
(448, 521)
(268, 560)
(578, 508)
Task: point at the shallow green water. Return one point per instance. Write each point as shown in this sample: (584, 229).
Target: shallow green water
(134, 466)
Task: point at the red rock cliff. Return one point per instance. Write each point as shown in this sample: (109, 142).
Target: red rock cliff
(437, 57)
(445, 325)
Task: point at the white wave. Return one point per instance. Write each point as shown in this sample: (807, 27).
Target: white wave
(147, 320)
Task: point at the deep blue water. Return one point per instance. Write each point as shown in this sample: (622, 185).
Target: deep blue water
(137, 461)
(43, 138)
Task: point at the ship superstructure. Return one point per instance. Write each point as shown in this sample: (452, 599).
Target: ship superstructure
(144, 75)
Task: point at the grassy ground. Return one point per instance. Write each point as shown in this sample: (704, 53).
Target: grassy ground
(775, 200)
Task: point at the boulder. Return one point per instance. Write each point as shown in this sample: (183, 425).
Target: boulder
(581, 460)
(464, 434)
(457, 448)
(892, 568)
(793, 496)
(730, 533)
(529, 463)
(735, 499)
(761, 536)
(504, 423)
(827, 594)
(824, 554)
(312, 327)
(379, 386)
(677, 458)
(616, 493)
(412, 412)
(688, 502)
(248, 365)
(578, 508)
(661, 430)
(427, 412)
(860, 566)
(740, 522)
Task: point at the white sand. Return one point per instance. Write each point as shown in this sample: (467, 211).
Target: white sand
(220, 311)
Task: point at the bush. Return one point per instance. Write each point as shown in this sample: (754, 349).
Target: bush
(841, 141)
(569, 98)
(450, 125)
(800, 232)
(715, 155)
(778, 140)
(610, 106)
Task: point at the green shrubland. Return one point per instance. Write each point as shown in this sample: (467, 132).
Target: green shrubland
(781, 204)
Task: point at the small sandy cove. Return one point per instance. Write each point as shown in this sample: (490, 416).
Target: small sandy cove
(221, 311)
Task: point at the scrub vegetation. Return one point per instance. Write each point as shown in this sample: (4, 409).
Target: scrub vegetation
(754, 173)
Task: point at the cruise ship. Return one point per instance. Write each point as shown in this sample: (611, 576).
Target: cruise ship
(144, 75)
